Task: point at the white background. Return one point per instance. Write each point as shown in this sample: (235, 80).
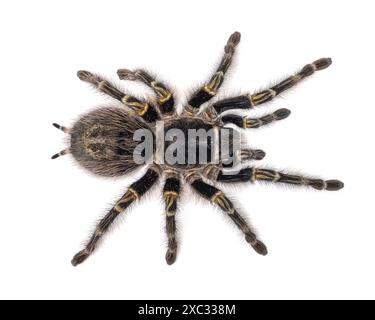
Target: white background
(321, 244)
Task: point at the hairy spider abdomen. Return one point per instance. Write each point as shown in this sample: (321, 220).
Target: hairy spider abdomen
(102, 141)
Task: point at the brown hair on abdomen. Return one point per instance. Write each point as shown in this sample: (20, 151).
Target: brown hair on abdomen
(102, 141)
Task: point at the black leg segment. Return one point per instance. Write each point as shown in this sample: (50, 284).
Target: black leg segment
(218, 198)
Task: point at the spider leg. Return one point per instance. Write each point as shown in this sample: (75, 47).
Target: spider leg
(251, 174)
(247, 122)
(165, 100)
(143, 109)
(267, 95)
(217, 197)
(171, 193)
(210, 89)
(134, 192)
(252, 100)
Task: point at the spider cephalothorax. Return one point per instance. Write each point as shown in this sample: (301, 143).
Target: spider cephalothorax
(106, 142)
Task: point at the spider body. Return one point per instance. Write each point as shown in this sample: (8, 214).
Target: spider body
(182, 136)
(196, 147)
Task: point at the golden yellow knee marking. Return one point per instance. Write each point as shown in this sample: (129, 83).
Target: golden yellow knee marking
(118, 207)
(190, 111)
(263, 96)
(222, 201)
(171, 173)
(209, 90)
(165, 98)
(261, 175)
(250, 97)
(163, 93)
(252, 177)
(129, 196)
(142, 107)
(249, 123)
(260, 97)
(134, 193)
(124, 99)
(170, 193)
(191, 175)
(266, 175)
(211, 172)
(144, 110)
(170, 198)
(217, 194)
(272, 92)
(245, 122)
(277, 177)
(213, 85)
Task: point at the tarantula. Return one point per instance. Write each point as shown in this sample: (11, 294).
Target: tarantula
(103, 141)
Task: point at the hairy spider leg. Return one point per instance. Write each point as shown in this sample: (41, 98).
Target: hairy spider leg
(252, 100)
(134, 192)
(251, 174)
(217, 197)
(165, 99)
(210, 89)
(171, 192)
(142, 108)
(247, 122)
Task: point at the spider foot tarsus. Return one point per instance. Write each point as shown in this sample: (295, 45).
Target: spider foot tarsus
(257, 245)
(330, 185)
(80, 257)
(171, 256)
(126, 74)
(322, 63)
(87, 76)
(233, 41)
